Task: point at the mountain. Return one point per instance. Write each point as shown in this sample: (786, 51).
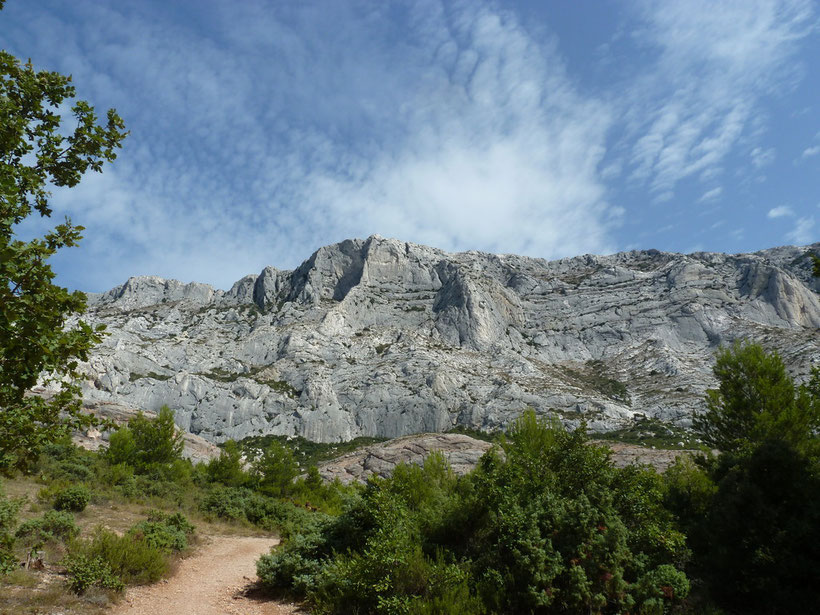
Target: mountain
(379, 337)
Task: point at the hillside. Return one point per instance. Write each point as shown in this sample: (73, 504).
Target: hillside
(380, 337)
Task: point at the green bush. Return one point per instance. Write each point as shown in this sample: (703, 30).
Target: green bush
(550, 526)
(146, 443)
(85, 572)
(52, 526)
(241, 504)
(228, 467)
(752, 513)
(757, 400)
(163, 531)
(74, 471)
(130, 558)
(275, 470)
(8, 520)
(160, 535)
(74, 498)
(758, 543)
(175, 520)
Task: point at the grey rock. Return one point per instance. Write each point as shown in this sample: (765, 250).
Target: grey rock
(463, 454)
(380, 337)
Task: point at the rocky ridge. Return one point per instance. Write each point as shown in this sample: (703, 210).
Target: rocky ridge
(462, 453)
(379, 337)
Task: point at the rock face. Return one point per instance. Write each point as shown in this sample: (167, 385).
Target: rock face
(380, 337)
(462, 453)
(193, 447)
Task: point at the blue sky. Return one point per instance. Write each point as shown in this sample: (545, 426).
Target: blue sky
(261, 131)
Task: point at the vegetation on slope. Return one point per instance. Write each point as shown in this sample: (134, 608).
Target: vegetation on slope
(552, 527)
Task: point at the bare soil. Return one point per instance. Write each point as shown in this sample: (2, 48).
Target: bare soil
(219, 579)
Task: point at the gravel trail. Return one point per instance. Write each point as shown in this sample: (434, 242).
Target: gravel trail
(219, 579)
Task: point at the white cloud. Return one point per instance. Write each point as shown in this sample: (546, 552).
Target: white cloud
(716, 61)
(711, 195)
(463, 132)
(762, 157)
(811, 151)
(780, 212)
(802, 233)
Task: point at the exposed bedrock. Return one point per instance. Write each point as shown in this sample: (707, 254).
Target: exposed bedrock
(379, 337)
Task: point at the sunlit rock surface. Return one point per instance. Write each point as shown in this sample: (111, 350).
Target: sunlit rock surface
(380, 337)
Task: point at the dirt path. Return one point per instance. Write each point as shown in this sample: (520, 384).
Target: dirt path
(217, 580)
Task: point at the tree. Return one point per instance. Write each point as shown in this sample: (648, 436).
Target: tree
(758, 545)
(36, 153)
(752, 513)
(275, 469)
(229, 467)
(756, 400)
(147, 443)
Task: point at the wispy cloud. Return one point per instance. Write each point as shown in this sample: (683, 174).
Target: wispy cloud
(802, 233)
(464, 132)
(811, 151)
(780, 212)
(715, 62)
(762, 157)
(258, 135)
(711, 195)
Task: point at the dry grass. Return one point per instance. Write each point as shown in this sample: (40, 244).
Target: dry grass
(44, 591)
(49, 595)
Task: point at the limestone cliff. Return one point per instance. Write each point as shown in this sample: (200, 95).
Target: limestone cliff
(380, 337)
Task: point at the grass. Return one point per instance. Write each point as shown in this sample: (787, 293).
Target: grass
(135, 376)
(309, 453)
(284, 387)
(594, 376)
(34, 593)
(651, 432)
(477, 434)
(280, 386)
(45, 591)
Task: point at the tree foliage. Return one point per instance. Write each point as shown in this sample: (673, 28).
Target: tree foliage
(145, 443)
(228, 468)
(545, 525)
(756, 400)
(275, 469)
(752, 513)
(37, 152)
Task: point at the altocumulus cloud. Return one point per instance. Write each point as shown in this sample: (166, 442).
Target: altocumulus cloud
(715, 62)
(263, 131)
(286, 129)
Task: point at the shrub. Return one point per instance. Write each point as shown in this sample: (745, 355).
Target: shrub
(74, 498)
(275, 470)
(8, 520)
(160, 535)
(175, 520)
(163, 531)
(756, 400)
(85, 572)
(228, 467)
(71, 470)
(53, 525)
(752, 513)
(145, 442)
(131, 558)
(758, 546)
(550, 526)
(235, 504)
